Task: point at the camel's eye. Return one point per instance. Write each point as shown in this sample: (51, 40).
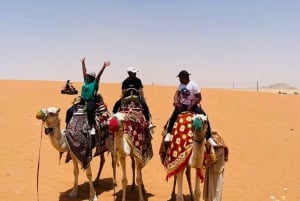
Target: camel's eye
(51, 114)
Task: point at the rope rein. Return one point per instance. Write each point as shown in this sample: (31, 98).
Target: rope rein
(38, 165)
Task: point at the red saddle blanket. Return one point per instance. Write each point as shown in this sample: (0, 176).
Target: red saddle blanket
(180, 149)
(138, 135)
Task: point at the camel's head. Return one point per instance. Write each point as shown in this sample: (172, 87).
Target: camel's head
(44, 114)
(199, 123)
(115, 121)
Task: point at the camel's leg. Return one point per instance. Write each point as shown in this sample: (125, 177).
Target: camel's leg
(73, 193)
(124, 179)
(179, 176)
(93, 196)
(197, 191)
(114, 166)
(133, 172)
(173, 195)
(139, 180)
(143, 186)
(101, 164)
(188, 178)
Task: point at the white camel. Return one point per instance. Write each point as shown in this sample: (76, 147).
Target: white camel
(199, 127)
(190, 132)
(125, 146)
(50, 117)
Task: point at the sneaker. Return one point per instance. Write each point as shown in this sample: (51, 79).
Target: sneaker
(93, 131)
(212, 142)
(167, 137)
(151, 126)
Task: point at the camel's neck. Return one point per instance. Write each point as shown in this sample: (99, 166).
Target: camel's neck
(122, 145)
(58, 139)
(197, 157)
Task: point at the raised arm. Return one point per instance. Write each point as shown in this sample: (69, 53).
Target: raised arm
(83, 68)
(105, 64)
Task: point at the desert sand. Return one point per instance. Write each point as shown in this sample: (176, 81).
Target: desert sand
(262, 131)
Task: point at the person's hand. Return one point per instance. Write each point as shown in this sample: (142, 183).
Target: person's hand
(106, 63)
(82, 60)
(178, 106)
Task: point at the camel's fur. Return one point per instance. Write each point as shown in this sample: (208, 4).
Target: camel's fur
(125, 149)
(195, 161)
(50, 117)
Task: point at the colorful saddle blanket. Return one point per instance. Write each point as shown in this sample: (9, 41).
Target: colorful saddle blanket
(180, 149)
(138, 135)
(78, 138)
(104, 138)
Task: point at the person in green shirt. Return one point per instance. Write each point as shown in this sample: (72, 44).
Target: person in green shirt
(89, 91)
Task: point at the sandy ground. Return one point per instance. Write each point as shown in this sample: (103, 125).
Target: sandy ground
(262, 131)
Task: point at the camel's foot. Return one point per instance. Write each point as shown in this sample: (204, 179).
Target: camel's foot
(197, 196)
(132, 188)
(93, 198)
(73, 194)
(179, 198)
(172, 198)
(115, 183)
(96, 182)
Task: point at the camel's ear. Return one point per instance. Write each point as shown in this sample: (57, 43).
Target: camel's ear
(53, 110)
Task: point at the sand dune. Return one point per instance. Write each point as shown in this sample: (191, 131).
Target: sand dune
(262, 131)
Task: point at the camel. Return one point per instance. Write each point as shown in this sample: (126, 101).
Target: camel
(131, 139)
(190, 139)
(105, 143)
(50, 117)
(215, 165)
(103, 139)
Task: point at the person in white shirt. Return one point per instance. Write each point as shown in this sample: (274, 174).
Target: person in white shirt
(187, 98)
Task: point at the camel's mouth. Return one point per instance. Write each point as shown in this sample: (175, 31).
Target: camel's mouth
(41, 114)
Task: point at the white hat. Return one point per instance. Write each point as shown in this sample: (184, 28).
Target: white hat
(93, 74)
(132, 69)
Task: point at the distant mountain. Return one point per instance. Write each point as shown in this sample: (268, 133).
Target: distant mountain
(278, 86)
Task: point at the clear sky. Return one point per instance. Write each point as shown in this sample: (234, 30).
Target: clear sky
(223, 43)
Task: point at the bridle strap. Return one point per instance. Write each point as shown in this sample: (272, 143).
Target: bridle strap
(199, 141)
(38, 165)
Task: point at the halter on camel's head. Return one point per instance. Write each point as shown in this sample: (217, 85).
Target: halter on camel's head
(50, 117)
(199, 126)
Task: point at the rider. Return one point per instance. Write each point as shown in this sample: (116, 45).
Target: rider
(88, 93)
(68, 85)
(187, 98)
(134, 82)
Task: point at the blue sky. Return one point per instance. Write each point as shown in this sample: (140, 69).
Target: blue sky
(223, 43)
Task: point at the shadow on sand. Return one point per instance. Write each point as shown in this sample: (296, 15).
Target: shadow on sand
(185, 198)
(132, 194)
(103, 185)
